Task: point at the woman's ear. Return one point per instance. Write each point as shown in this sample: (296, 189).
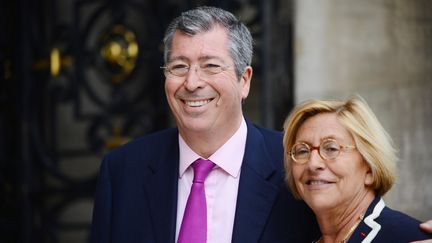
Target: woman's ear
(369, 179)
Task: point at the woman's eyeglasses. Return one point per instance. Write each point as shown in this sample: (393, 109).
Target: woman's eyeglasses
(329, 149)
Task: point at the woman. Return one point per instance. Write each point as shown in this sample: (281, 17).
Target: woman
(340, 161)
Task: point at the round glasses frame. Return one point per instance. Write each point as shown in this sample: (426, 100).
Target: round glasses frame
(202, 71)
(329, 149)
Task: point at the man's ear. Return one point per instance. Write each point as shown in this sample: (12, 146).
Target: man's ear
(245, 81)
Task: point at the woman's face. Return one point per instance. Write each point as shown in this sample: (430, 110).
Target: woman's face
(334, 184)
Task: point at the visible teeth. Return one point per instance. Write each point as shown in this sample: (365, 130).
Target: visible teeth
(197, 103)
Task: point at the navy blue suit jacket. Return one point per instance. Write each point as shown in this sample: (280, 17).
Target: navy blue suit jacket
(382, 224)
(136, 197)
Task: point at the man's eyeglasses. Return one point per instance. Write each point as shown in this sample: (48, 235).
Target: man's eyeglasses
(329, 149)
(203, 70)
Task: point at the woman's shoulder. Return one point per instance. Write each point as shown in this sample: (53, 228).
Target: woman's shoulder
(383, 224)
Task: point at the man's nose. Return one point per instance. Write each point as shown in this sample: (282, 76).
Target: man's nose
(193, 79)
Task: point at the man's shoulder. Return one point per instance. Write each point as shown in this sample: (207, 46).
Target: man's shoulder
(266, 132)
(148, 144)
(272, 138)
(156, 138)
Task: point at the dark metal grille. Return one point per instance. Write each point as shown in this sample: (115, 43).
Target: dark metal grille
(82, 77)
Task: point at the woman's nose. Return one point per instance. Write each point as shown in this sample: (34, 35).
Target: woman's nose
(316, 161)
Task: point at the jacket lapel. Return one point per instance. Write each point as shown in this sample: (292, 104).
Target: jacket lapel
(161, 191)
(257, 190)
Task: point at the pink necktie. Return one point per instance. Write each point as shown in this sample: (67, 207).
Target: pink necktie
(194, 225)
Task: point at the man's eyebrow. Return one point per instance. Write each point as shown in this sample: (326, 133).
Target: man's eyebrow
(200, 59)
(209, 57)
(178, 58)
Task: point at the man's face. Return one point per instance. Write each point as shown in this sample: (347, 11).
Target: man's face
(205, 104)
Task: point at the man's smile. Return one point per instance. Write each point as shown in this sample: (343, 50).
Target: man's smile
(197, 103)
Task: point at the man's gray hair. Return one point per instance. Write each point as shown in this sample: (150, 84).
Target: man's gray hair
(203, 19)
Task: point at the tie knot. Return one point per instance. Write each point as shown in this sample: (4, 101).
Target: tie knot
(202, 168)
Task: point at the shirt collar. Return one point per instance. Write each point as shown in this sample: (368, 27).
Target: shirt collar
(228, 157)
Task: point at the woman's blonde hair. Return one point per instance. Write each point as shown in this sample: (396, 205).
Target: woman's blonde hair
(371, 140)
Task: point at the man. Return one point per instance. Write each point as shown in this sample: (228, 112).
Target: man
(146, 186)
